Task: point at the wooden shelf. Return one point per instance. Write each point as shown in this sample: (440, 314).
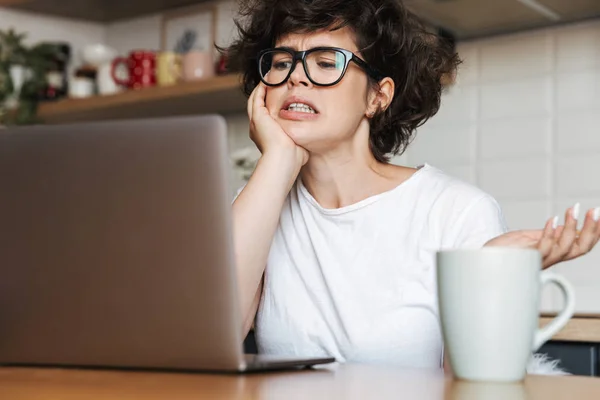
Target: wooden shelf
(220, 95)
(97, 10)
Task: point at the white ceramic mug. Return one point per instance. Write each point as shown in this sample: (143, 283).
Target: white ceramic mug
(105, 81)
(80, 87)
(489, 308)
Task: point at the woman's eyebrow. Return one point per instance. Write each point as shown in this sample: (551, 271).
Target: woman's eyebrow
(295, 48)
(292, 48)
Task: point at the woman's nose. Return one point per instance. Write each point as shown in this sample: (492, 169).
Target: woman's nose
(298, 76)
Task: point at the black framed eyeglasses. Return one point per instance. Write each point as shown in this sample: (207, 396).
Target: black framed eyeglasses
(323, 66)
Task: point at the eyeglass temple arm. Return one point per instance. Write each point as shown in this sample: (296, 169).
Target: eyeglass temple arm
(372, 71)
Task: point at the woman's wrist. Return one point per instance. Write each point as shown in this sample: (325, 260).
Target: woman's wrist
(282, 168)
(289, 160)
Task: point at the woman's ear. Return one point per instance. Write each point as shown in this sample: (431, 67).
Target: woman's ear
(381, 98)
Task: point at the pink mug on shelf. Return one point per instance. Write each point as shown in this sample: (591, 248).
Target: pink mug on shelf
(197, 65)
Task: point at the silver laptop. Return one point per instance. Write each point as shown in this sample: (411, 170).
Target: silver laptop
(116, 248)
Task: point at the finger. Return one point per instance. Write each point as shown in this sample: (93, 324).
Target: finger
(250, 103)
(597, 221)
(569, 233)
(547, 241)
(259, 100)
(558, 231)
(587, 236)
(557, 253)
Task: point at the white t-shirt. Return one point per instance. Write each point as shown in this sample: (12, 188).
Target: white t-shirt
(358, 282)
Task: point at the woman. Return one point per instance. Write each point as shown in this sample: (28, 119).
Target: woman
(335, 246)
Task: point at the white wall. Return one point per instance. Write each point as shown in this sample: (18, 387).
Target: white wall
(144, 32)
(137, 33)
(42, 28)
(523, 123)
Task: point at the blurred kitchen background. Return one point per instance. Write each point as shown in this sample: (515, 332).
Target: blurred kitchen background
(522, 120)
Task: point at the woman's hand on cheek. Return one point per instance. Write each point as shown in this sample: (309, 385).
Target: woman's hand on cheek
(557, 243)
(267, 134)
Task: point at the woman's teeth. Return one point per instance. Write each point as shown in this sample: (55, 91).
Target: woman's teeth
(299, 107)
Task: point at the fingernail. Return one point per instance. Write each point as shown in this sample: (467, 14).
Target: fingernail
(596, 214)
(555, 222)
(576, 211)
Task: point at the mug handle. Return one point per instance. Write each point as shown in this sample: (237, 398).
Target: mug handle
(113, 69)
(544, 334)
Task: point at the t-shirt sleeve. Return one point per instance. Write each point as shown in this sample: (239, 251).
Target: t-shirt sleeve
(479, 222)
(237, 193)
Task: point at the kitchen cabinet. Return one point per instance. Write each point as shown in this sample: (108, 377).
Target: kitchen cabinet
(575, 357)
(250, 344)
(577, 345)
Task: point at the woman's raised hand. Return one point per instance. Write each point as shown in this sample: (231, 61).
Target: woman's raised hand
(557, 243)
(267, 134)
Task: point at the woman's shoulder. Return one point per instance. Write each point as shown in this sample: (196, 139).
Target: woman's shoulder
(464, 214)
(435, 183)
(449, 200)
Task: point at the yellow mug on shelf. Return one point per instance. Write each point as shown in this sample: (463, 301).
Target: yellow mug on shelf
(168, 68)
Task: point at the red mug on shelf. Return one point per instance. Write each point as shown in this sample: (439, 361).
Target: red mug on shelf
(141, 66)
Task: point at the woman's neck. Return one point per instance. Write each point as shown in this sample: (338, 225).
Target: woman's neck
(349, 175)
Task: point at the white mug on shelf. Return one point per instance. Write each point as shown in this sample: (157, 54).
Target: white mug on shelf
(80, 87)
(105, 81)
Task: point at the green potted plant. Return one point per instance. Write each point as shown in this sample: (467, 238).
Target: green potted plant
(11, 63)
(22, 77)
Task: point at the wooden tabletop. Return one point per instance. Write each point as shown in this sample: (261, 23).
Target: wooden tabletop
(332, 382)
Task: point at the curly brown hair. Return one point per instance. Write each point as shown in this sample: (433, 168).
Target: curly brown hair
(390, 38)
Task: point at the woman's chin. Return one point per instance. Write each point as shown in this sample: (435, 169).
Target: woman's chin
(300, 135)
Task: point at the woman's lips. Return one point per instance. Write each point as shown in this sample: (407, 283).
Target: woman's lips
(297, 115)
